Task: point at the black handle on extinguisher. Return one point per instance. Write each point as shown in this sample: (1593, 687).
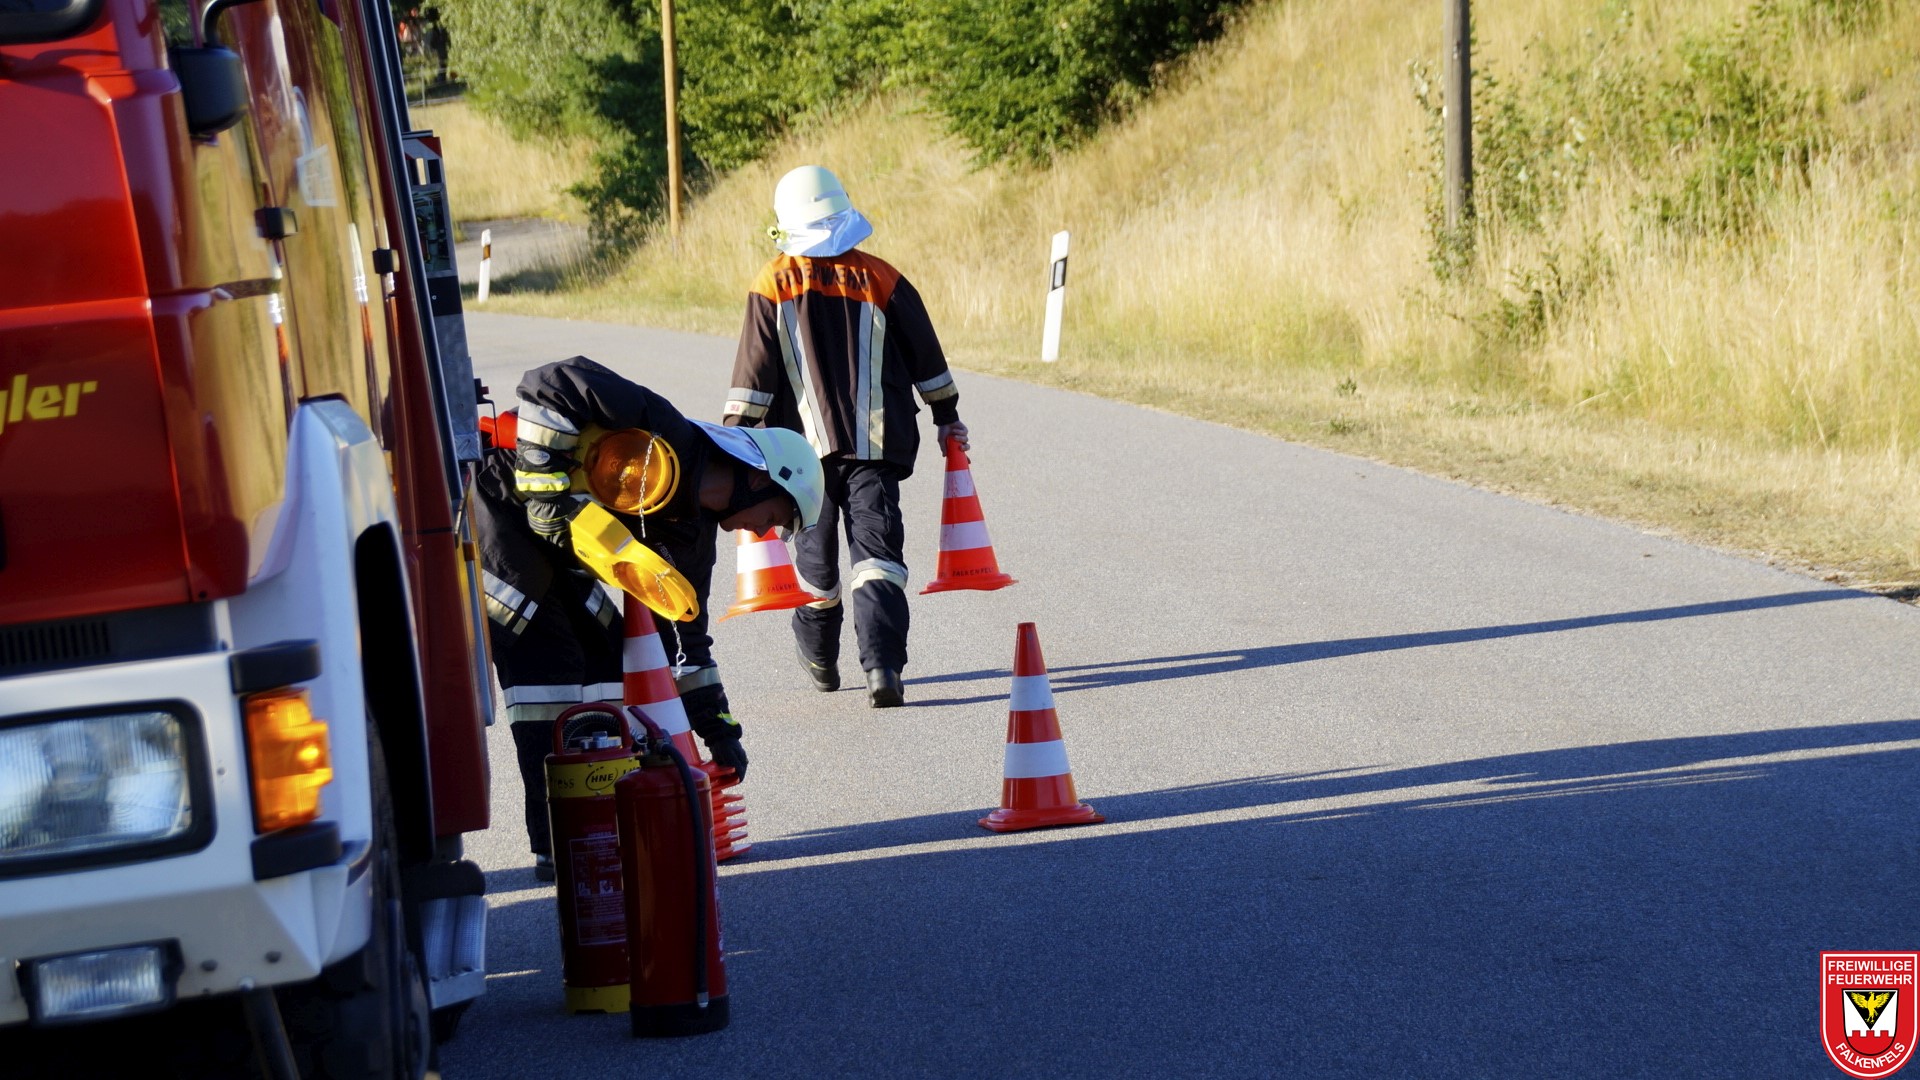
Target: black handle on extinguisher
(702, 851)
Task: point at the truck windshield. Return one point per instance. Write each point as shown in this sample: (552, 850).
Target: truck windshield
(44, 20)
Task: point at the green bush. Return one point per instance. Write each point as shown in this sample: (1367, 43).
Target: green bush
(1013, 78)
(751, 70)
(540, 65)
(1734, 128)
(1023, 79)
(1706, 127)
(629, 180)
(579, 68)
(1709, 126)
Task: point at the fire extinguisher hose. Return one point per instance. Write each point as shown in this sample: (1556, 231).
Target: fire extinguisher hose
(702, 861)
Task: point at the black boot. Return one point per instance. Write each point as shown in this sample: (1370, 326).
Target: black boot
(816, 635)
(883, 688)
(825, 676)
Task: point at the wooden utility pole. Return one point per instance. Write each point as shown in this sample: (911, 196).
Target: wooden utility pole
(1459, 113)
(673, 119)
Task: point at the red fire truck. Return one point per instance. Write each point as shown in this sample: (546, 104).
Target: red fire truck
(242, 675)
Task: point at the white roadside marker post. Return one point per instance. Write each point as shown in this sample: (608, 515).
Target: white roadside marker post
(1056, 299)
(486, 264)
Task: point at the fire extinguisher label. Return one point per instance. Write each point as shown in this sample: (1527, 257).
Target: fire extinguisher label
(597, 910)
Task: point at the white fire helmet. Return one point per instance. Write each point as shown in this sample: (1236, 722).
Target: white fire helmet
(786, 456)
(807, 195)
(792, 463)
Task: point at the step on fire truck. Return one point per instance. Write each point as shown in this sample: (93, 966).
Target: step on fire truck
(242, 675)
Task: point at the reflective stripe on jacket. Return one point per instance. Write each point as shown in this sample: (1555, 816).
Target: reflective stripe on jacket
(835, 348)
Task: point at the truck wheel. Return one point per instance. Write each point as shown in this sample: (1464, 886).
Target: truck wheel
(366, 1017)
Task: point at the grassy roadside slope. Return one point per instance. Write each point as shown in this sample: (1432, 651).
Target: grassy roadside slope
(1253, 247)
(492, 175)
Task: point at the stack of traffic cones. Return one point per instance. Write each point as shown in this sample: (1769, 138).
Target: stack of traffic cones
(966, 553)
(766, 579)
(1037, 790)
(647, 684)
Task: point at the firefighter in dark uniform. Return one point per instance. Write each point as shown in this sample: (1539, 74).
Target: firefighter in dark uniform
(836, 344)
(556, 633)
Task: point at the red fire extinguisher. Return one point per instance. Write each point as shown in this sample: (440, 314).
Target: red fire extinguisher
(664, 807)
(591, 750)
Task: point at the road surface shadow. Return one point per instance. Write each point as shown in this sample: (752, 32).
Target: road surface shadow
(1193, 665)
(1648, 909)
(1534, 774)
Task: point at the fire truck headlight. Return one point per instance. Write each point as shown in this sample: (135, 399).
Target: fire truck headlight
(70, 787)
(82, 986)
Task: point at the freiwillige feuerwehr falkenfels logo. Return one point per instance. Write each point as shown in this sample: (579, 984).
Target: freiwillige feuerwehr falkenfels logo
(1868, 1004)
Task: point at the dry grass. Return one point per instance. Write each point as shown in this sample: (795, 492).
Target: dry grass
(491, 175)
(1251, 247)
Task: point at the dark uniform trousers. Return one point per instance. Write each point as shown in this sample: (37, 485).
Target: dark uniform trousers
(564, 656)
(865, 497)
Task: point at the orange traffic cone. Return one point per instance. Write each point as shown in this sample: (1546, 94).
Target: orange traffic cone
(1038, 789)
(766, 579)
(504, 432)
(966, 554)
(647, 684)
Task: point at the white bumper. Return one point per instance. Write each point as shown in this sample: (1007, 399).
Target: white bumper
(233, 932)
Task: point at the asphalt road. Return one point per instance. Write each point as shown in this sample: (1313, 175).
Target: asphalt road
(1401, 778)
(519, 246)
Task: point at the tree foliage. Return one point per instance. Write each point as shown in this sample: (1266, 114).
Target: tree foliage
(1023, 80)
(1017, 80)
(574, 68)
(753, 69)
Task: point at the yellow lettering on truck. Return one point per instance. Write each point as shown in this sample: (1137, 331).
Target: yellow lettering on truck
(21, 401)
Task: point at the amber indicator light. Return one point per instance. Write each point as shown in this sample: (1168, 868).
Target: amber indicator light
(290, 758)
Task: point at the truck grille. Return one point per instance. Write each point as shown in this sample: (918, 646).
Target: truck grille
(106, 639)
(55, 645)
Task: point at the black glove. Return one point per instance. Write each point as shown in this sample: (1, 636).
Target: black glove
(712, 719)
(552, 519)
(729, 754)
(540, 472)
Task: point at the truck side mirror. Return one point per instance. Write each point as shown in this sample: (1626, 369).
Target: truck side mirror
(212, 86)
(209, 20)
